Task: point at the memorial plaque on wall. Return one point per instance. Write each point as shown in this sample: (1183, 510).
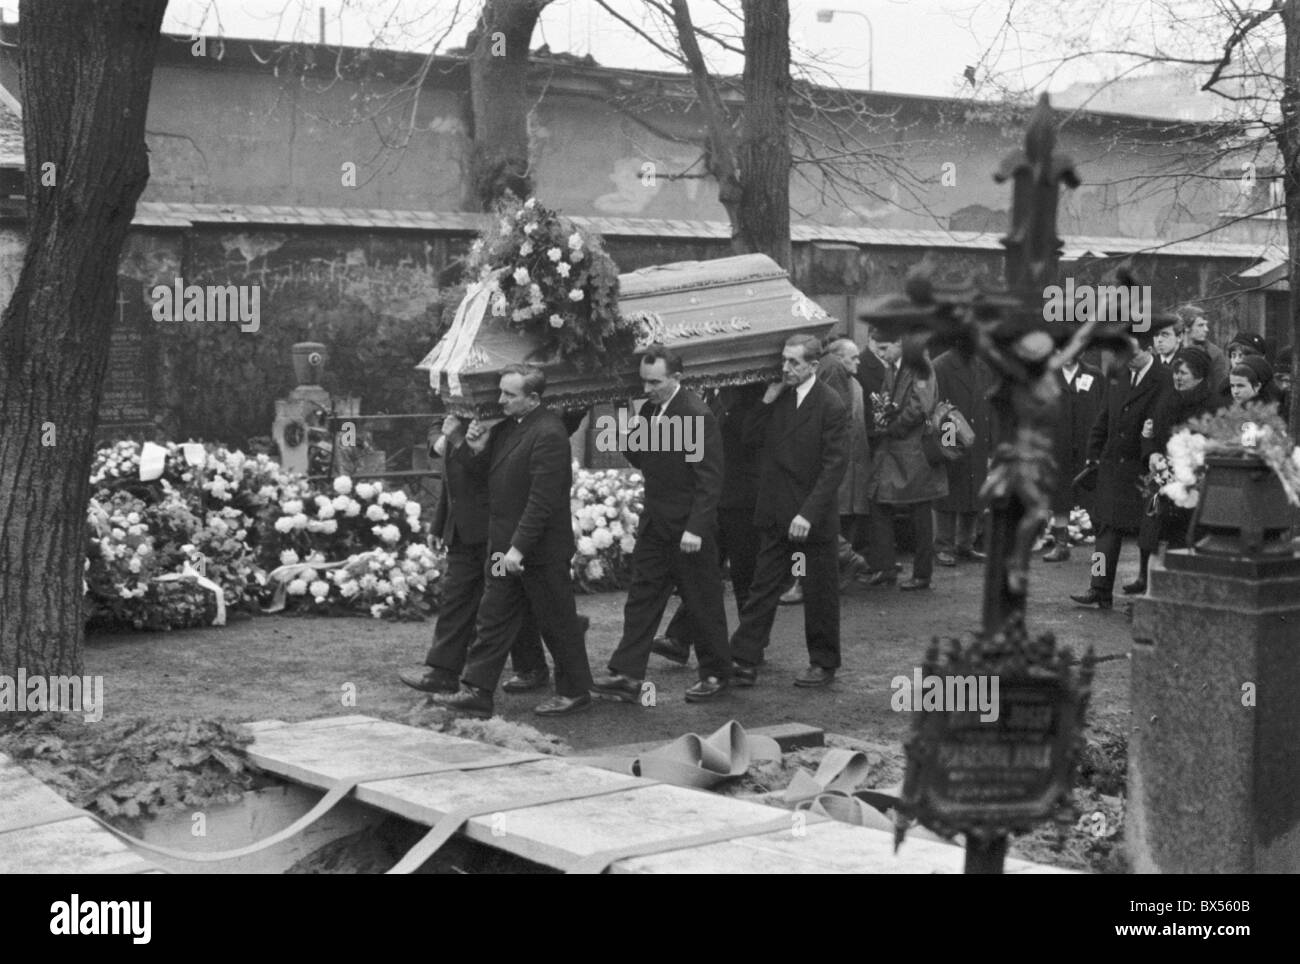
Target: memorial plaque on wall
(126, 409)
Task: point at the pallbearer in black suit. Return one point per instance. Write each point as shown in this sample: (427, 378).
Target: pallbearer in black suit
(802, 429)
(677, 538)
(524, 464)
(461, 522)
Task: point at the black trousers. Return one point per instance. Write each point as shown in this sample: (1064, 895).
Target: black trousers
(546, 589)
(659, 566)
(776, 568)
(738, 546)
(1105, 556)
(882, 553)
(462, 590)
(955, 531)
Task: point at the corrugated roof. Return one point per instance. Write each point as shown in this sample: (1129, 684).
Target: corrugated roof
(183, 214)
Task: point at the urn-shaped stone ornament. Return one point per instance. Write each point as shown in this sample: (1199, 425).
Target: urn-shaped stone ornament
(1242, 510)
(309, 359)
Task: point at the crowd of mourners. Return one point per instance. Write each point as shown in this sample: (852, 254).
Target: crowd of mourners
(802, 490)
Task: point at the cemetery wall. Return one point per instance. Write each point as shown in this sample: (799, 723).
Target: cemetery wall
(273, 125)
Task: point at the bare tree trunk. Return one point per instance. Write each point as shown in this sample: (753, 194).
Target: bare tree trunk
(752, 168)
(1288, 142)
(85, 69)
(765, 151)
(722, 150)
(498, 77)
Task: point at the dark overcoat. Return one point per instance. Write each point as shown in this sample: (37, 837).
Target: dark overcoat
(1082, 399)
(1178, 408)
(966, 384)
(1116, 443)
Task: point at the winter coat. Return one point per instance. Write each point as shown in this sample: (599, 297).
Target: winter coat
(900, 472)
(1081, 401)
(966, 384)
(1116, 443)
(1171, 521)
(853, 490)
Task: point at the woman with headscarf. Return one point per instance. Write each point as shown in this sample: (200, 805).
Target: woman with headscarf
(1192, 397)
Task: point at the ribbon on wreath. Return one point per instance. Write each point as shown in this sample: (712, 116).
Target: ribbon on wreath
(284, 575)
(450, 355)
(188, 572)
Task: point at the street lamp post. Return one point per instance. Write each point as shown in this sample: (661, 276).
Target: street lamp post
(826, 15)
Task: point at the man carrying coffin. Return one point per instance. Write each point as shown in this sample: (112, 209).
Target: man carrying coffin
(802, 429)
(677, 536)
(524, 465)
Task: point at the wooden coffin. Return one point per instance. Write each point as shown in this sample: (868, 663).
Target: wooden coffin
(729, 318)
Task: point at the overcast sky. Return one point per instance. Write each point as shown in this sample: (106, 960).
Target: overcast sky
(910, 46)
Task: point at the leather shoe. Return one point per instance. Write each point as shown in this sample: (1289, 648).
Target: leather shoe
(671, 650)
(974, 555)
(1135, 588)
(428, 679)
(945, 558)
(1058, 553)
(815, 676)
(1095, 597)
(563, 705)
(526, 682)
(914, 584)
(467, 701)
(706, 689)
(742, 675)
(883, 577)
(792, 596)
(622, 689)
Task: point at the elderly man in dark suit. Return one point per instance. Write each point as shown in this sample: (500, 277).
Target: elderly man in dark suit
(1083, 393)
(1115, 447)
(524, 462)
(802, 429)
(677, 537)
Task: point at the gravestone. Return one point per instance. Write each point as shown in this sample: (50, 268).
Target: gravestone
(1214, 748)
(127, 408)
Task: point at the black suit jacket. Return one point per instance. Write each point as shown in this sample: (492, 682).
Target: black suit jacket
(1075, 418)
(801, 464)
(462, 512)
(528, 474)
(740, 463)
(871, 376)
(1116, 442)
(681, 495)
